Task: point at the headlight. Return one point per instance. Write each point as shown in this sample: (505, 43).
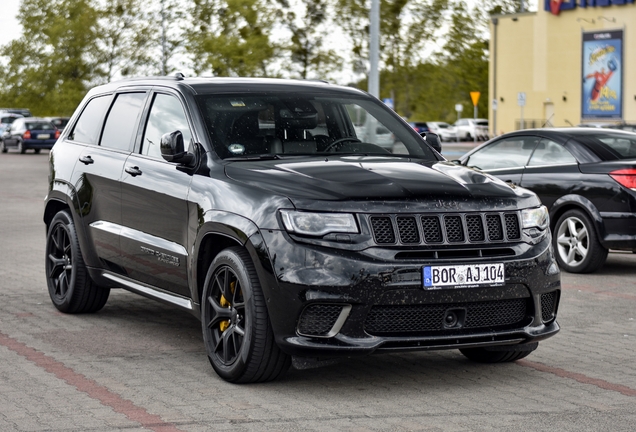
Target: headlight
(536, 217)
(318, 224)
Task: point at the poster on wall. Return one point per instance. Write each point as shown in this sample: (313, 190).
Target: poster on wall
(602, 75)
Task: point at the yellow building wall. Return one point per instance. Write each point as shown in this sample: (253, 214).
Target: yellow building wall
(540, 54)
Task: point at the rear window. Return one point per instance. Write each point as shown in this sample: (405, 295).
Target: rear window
(39, 126)
(619, 145)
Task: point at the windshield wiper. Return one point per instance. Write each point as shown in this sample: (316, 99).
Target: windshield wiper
(266, 156)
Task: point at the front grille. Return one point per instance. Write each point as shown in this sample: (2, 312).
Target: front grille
(472, 228)
(382, 230)
(548, 303)
(318, 319)
(401, 319)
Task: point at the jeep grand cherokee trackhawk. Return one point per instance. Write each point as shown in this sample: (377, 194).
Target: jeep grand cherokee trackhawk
(268, 210)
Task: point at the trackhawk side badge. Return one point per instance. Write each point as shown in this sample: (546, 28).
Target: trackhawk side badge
(163, 257)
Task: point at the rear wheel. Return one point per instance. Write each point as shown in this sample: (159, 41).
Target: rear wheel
(3, 148)
(499, 354)
(70, 287)
(37, 151)
(576, 243)
(21, 147)
(236, 329)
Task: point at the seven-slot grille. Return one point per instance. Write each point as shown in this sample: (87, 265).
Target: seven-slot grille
(445, 229)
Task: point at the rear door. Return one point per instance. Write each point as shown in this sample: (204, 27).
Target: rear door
(154, 201)
(99, 168)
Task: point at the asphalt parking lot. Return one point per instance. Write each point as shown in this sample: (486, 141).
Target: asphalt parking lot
(140, 365)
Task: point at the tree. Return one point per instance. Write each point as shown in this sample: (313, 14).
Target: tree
(50, 66)
(231, 37)
(124, 37)
(308, 55)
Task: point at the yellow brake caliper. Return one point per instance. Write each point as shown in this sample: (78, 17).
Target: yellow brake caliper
(223, 325)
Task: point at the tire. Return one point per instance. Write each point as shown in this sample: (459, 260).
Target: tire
(20, 147)
(499, 355)
(3, 148)
(237, 333)
(469, 137)
(37, 151)
(576, 243)
(70, 287)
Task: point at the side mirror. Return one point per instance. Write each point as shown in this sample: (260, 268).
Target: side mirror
(172, 148)
(432, 139)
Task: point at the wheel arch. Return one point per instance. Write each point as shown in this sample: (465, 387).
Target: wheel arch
(577, 202)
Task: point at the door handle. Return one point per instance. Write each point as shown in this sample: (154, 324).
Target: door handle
(86, 160)
(133, 171)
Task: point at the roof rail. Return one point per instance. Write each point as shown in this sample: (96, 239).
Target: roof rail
(179, 76)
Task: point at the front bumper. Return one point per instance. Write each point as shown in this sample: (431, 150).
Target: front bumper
(363, 303)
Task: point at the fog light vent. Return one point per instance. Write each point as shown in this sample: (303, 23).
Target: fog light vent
(548, 306)
(322, 320)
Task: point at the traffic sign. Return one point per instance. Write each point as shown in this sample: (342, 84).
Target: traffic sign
(521, 99)
(475, 97)
(459, 108)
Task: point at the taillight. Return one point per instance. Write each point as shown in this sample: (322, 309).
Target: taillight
(26, 135)
(57, 133)
(626, 177)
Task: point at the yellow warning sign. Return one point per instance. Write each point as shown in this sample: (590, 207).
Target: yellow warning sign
(475, 97)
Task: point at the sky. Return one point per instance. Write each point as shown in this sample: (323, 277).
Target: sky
(10, 28)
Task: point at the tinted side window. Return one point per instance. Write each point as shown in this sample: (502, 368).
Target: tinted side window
(122, 121)
(87, 128)
(166, 115)
(550, 153)
(507, 153)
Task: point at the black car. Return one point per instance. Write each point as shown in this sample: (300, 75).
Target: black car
(29, 133)
(255, 205)
(585, 176)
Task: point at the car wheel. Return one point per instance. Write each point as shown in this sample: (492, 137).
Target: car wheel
(3, 148)
(237, 332)
(469, 137)
(70, 287)
(576, 243)
(21, 148)
(37, 151)
(499, 355)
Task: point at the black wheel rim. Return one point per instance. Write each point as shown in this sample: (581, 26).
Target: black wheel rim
(60, 268)
(225, 314)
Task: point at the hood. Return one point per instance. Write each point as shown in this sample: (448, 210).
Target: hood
(364, 178)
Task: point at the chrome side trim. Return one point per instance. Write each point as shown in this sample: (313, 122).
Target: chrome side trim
(141, 237)
(344, 313)
(147, 291)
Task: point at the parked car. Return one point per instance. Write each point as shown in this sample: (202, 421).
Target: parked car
(24, 112)
(254, 205)
(59, 122)
(420, 127)
(29, 133)
(469, 129)
(445, 131)
(6, 119)
(585, 176)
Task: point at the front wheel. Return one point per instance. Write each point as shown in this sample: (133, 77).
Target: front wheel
(237, 332)
(21, 147)
(70, 287)
(576, 243)
(3, 148)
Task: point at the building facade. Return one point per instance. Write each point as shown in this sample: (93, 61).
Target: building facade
(568, 63)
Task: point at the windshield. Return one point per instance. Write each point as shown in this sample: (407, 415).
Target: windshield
(243, 126)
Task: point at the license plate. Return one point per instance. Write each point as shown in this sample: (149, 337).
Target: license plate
(463, 276)
(43, 136)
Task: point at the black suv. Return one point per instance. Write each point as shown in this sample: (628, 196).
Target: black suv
(268, 210)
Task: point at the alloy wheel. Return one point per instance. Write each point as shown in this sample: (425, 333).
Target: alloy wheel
(226, 311)
(60, 268)
(572, 241)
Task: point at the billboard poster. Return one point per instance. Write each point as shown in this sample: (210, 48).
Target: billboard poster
(602, 75)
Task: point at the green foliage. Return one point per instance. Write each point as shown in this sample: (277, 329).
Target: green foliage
(231, 37)
(49, 67)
